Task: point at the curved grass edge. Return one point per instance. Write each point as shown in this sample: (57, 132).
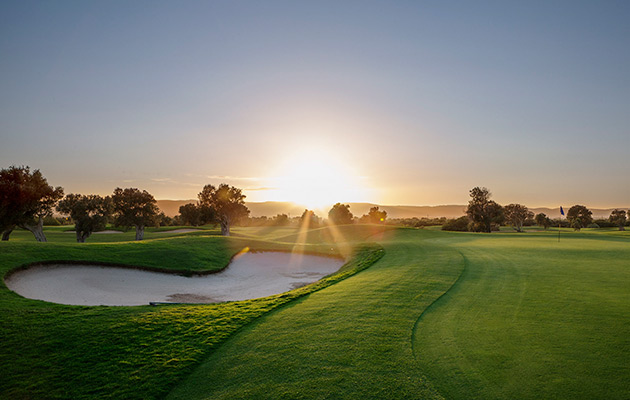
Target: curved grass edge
(442, 297)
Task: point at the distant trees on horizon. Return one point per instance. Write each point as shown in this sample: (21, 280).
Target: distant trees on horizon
(27, 201)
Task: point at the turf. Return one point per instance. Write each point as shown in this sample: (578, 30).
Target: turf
(451, 315)
(533, 318)
(350, 341)
(57, 351)
(439, 315)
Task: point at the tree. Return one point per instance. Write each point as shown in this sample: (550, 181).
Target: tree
(25, 200)
(89, 213)
(340, 214)
(618, 217)
(309, 220)
(136, 208)
(190, 214)
(374, 216)
(483, 212)
(542, 220)
(516, 214)
(281, 220)
(225, 205)
(579, 217)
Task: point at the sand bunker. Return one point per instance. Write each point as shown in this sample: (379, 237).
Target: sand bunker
(249, 276)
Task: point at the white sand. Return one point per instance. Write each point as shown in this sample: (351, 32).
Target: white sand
(249, 276)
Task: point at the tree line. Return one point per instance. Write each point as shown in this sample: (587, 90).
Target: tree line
(485, 215)
(26, 200)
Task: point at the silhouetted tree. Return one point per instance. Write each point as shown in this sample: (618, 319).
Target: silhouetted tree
(281, 220)
(618, 217)
(340, 214)
(25, 200)
(89, 213)
(190, 214)
(309, 220)
(136, 208)
(579, 217)
(516, 214)
(542, 220)
(374, 216)
(225, 205)
(483, 212)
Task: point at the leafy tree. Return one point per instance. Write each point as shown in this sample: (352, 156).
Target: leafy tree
(136, 208)
(164, 220)
(89, 213)
(618, 217)
(340, 214)
(374, 216)
(516, 214)
(225, 205)
(543, 220)
(579, 217)
(309, 220)
(482, 212)
(25, 200)
(190, 214)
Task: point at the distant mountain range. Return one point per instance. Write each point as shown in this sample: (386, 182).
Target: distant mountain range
(272, 208)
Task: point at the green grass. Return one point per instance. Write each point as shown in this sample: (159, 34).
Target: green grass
(57, 351)
(439, 315)
(453, 315)
(533, 318)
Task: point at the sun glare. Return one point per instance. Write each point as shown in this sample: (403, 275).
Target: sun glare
(317, 180)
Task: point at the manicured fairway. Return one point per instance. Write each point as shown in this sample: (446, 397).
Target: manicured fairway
(352, 340)
(527, 318)
(533, 318)
(434, 315)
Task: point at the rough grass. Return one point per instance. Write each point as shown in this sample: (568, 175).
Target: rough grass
(58, 351)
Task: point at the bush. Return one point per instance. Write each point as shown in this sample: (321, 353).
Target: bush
(593, 225)
(458, 225)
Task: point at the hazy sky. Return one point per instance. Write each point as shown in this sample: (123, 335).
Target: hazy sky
(408, 102)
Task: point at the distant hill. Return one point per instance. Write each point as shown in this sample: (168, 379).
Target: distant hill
(272, 208)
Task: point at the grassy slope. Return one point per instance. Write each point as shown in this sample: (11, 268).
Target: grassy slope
(533, 318)
(56, 351)
(527, 318)
(349, 341)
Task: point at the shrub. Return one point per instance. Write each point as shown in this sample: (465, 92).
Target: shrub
(458, 225)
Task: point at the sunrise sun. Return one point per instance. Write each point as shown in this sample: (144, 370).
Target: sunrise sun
(317, 180)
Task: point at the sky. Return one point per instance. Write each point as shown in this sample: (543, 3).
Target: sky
(390, 102)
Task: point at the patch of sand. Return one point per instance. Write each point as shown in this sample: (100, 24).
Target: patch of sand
(249, 276)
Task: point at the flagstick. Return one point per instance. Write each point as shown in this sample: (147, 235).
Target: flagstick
(559, 225)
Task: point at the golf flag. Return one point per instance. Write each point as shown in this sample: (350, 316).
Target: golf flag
(561, 211)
